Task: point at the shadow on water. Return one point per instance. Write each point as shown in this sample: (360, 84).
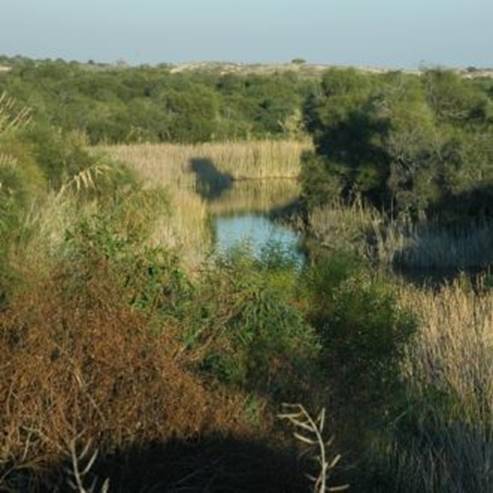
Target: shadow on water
(211, 183)
(248, 212)
(215, 464)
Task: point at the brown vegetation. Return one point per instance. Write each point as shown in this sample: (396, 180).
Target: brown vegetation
(81, 363)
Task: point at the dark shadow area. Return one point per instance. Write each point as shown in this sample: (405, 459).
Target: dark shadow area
(426, 455)
(475, 204)
(438, 278)
(457, 241)
(211, 183)
(211, 464)
(289, 211)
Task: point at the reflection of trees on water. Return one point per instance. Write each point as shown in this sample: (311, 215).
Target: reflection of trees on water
(255, 196)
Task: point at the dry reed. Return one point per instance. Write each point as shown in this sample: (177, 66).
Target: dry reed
(311, 434)
(453, 350)
(426, 245)
(448, 371)
(170, 163)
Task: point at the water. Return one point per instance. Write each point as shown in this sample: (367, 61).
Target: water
(241, 216)
(259, 232)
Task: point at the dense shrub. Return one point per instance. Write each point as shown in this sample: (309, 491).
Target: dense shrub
(116, 105)
(82, 362)
(255, 337)
(406, 142)
(362, 328)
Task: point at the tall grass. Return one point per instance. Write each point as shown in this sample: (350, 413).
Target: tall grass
(432, 246)
(169, 163)
(255, 196)
(343, 227)
(445, 437)
(426, 245)
(453, 350)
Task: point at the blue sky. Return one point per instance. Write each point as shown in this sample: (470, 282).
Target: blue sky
(398, 33)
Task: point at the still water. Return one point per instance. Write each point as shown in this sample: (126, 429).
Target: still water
(241, 216)
(257, 231)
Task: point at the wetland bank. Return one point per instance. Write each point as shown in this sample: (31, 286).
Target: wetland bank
(183, 254)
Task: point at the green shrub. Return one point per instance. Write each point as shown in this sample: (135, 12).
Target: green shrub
(256, 337)
(410, 144)
(154, 105)
(362, 328)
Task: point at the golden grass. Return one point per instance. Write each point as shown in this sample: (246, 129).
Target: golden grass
(186, 228)
(453, 349)
(448, 370)
(170, 163)
(339, 226)
(426, 246)
(255, 195)
(444, 439)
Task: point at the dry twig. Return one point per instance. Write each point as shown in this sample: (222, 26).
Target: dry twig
(311, 434)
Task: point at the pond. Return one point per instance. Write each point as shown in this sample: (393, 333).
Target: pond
(247, 214)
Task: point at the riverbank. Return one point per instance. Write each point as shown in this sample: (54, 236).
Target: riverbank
(212, 179)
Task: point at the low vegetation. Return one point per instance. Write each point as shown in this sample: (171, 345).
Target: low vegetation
(135, 361)
(443, 440)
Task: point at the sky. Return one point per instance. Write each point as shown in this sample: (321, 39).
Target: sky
(386, 33)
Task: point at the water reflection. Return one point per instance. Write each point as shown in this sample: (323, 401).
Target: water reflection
(241, 215)
(257, 196)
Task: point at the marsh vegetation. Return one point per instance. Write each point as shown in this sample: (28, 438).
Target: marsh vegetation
(127, 327)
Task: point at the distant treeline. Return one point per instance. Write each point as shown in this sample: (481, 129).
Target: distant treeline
(115, 104)
(410, 144)
(406, 142)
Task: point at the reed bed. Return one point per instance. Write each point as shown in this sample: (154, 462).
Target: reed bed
(173, 166)
(448, 370)
(255, 195)
(186, 228)
(432, 246)
(423, 246)
(171, 163)
(453, 350)
(340, 226)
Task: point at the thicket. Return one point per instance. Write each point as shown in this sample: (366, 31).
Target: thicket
(176, 377)
(152, 104)
(411, 144)
(106, 339)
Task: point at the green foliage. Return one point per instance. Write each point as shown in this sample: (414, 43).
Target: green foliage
(114, 105)
(152, 278)
(238, 316)
(410, 143)
(255, 336)
(361, 326)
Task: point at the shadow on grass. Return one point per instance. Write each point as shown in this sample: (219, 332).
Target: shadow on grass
(211, 182)
(209, 464)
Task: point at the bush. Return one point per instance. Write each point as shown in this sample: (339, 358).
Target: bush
(362, 328)
(84, 363)
(410, 144)
(255, 337)
(152, 104)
